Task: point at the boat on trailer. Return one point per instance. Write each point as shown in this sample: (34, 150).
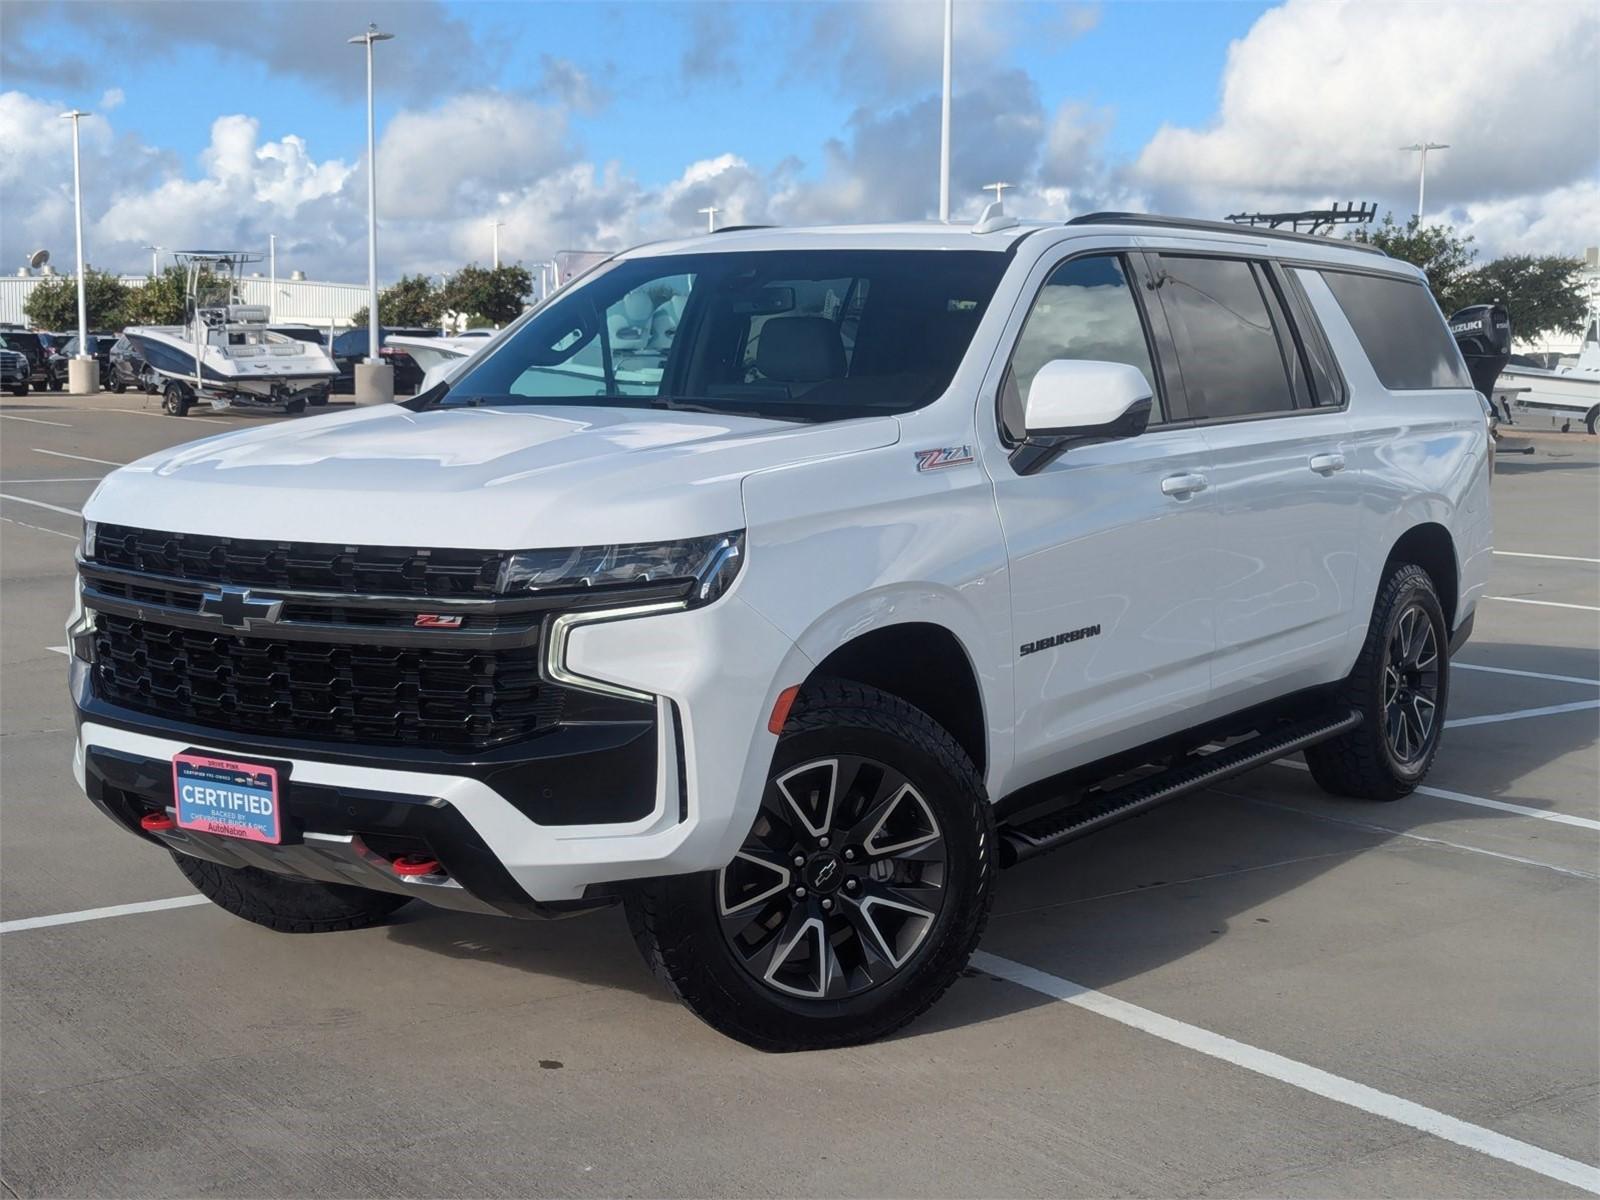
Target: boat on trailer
(225, 353)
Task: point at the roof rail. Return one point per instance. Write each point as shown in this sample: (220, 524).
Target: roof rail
(737, 228)
(1195, 223)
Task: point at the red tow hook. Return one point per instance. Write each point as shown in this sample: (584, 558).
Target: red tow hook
(156, 822)
(416, 864)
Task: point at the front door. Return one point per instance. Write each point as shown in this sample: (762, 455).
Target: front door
(1109, 545)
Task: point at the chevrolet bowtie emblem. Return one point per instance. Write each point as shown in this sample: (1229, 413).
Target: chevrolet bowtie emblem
(238, 609)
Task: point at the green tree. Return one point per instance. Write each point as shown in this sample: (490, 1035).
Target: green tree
(1544, 293)
(491, 295)
(53, 302)
(159, 300)
(1443, 254)
(414, 300)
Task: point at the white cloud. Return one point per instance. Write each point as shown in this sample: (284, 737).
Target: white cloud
(1318, 95)
(1562, 221)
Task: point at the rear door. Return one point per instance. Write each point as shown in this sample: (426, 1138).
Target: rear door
(1109, 545)
(1269, 401)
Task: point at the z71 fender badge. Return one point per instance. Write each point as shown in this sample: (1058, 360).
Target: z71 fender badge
(944, 456)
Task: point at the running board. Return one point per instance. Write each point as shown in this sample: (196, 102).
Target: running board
(1025, 840)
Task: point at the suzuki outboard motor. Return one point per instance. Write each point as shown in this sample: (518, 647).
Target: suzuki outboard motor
(1483, 332)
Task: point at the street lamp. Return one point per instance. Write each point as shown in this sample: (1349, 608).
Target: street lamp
(711, 218)
(80, 380)
(155, 259)
(944, 119)
(375, 384)
(999, 189)
(1422, 168)
(495, 227)
(272, 276)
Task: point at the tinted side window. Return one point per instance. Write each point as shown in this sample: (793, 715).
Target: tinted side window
(1400, 328)
(1235, 362)
(1086, 310)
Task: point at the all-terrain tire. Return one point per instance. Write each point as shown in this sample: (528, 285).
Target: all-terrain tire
(175, 400)
(1363, 763)
(284, 904)
(675, 920)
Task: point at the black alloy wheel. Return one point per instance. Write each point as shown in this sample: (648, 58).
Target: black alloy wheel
(1411, 686)
(839, 882)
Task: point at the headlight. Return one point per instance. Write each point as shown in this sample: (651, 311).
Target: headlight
(88, 539)
(702, 568)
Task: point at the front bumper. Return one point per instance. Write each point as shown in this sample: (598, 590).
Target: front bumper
(510, 826)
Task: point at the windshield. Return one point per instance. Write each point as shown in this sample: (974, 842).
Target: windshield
(799, 335)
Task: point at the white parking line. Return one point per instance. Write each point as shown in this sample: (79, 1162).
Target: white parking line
(1545, 603)
(98, 914)
(34, 421)
(39, 528)
(1555, 557)
(139, 412)
(1520, 810)
(71, 512)
(57, 479)
(1297, 1074)
(104, 462)
(1460, 666)
(1522, 714)
(59, 650)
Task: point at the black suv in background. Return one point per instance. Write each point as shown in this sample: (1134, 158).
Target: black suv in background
(99, 349)
(34, 347)
(350, 347)
(127, 369)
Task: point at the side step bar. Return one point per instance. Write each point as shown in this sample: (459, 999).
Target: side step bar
(1057, 828)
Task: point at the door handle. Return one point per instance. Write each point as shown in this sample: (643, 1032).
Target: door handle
(1183, 485)
(1327, 464)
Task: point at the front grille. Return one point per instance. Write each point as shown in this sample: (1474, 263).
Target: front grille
(458, 698)
(326, 566)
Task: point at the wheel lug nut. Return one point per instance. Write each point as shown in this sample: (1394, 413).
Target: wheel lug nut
(827, 904)
(799, 893)
(851, 885)
(849, 856)
(799, 860)
(823, 842)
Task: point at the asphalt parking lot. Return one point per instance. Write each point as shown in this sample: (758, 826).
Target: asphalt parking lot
(1257, 991)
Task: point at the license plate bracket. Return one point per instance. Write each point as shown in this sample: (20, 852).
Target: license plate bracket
(227, 797)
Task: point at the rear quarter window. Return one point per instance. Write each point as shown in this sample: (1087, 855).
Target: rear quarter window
(1401, 330)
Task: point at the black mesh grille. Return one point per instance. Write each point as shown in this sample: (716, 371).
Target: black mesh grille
(326, 566)
(365, 694)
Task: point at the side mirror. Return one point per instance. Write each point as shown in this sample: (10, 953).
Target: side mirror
(1077, 402)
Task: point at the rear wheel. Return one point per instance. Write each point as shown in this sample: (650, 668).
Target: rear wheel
(1401, 686)
(176, 399)
(55, 384)
(20, 389)
(1591, 420)
(295, 406)
(117, 385)
(284, 904)
(858, 896)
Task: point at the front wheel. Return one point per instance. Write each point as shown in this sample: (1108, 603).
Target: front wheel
(20, 390)
(858, 895)
(284, 904)
(1591, 420)
(55, 385)
(1401, 686)
(117, 385)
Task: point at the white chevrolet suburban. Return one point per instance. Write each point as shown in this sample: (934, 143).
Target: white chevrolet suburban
(784, 584)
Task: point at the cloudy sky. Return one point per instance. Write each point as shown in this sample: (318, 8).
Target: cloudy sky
(599, 124)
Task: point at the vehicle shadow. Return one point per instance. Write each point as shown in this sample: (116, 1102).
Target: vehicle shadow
(1533, 464)
(1133, 898)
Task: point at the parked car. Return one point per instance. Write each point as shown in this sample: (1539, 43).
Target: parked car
(785, 638)
(36, 349)
(99, 348)
(129, 370)
(350, 347)
(14, 371)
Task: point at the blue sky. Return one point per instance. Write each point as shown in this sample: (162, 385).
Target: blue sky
(583, 124)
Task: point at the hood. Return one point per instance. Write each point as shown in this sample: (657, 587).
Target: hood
(478, 478)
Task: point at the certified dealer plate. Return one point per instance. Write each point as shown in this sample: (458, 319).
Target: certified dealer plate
(234, 799)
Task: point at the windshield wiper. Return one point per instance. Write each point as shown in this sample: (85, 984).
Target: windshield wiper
(731, 408)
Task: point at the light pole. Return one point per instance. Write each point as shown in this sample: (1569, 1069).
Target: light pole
(80, 380)
(272, 275)
(374, 380)
(1422, 168)
(711, 218)
(494, 227)
(999, 190)
(155, 259)
(944, 118)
